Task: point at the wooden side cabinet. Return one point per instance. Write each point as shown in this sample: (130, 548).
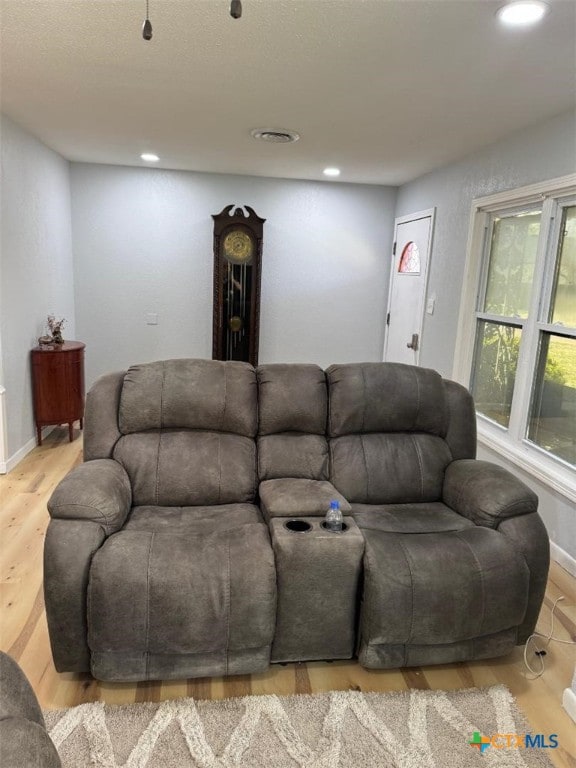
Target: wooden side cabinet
(58, 386)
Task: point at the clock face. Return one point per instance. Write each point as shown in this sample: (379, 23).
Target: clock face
(238, 246)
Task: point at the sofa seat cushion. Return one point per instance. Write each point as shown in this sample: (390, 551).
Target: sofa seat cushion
(155, 596)
(183, 521)
(431, 517)
(437, 588)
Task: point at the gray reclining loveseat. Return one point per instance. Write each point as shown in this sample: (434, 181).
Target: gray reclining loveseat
(190, 542)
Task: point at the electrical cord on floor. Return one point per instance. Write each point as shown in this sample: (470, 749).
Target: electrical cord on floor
(540, 653)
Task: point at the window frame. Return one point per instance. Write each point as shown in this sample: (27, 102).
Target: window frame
(512, 441)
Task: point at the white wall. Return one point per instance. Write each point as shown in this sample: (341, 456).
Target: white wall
(542, 152)
(143, 242)
(36, 266)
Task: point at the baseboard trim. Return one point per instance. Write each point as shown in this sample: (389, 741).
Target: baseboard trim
(16, 458)
(569, 702)
(563, 558)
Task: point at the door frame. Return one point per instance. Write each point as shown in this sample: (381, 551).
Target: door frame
(429, 212)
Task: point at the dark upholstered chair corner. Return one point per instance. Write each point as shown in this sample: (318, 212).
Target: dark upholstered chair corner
(24, 742)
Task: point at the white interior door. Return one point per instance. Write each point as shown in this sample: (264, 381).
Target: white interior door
(407, 295)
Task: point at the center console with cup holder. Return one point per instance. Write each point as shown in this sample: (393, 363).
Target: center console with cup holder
(318, 575)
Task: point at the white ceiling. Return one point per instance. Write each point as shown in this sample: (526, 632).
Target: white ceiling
(384, 89)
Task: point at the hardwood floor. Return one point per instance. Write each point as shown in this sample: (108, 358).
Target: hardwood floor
(24, 634)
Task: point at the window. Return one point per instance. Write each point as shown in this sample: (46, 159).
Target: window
(410, 259)
(516, 346)
(503, 310)
(552, 423)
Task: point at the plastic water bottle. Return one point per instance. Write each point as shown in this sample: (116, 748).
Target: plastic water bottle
(334, 517)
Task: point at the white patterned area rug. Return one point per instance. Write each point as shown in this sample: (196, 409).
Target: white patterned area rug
(344, 729)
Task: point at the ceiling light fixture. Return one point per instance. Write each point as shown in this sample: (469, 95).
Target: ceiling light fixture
(522, 13)
(147, 26)
(149, 157)
(331, 171)
(235, 12)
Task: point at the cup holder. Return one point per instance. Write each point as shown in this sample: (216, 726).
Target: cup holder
(344, 527)
(298, 526)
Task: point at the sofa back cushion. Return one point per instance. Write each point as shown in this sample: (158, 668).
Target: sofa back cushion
(395, 468)
(188, 467)
(385, 397)
(187, 432)
(292, 413)
(393, 431)
(461, 434)
(189, 394)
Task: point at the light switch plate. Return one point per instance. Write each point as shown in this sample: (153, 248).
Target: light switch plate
(430, 304)
(151, 318)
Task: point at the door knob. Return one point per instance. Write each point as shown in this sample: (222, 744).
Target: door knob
(414, 343)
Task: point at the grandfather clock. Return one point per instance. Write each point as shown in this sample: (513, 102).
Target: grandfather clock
(237, 261)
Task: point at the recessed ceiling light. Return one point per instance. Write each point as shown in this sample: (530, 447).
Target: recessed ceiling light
(331, 171)
(522, 12)
(149, 157)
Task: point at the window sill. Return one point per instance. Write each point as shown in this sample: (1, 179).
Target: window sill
(536, 463)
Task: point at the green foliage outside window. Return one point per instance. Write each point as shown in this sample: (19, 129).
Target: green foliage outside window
(497, 360)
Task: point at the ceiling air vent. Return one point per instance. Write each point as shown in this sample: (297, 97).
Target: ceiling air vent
(275, 137)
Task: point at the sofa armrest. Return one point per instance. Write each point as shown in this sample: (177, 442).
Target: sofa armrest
(485, 493)
(98, 491)
(296, 497)
(529, 536)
